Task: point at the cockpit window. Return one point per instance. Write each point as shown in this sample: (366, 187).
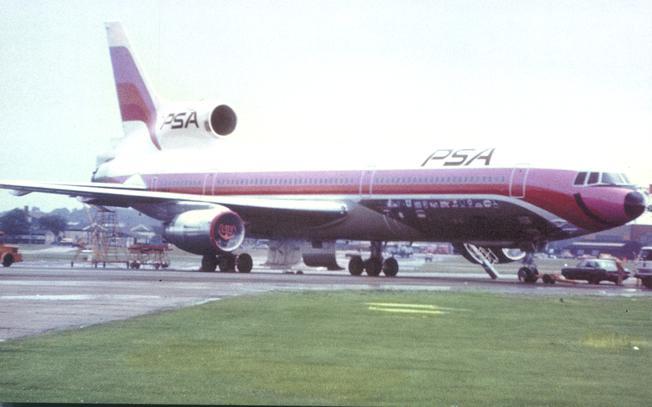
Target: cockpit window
(594, 177)
(602, 178)
(611, 178)
(581, 177)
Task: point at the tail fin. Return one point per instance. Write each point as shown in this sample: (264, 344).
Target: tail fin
(137, 102)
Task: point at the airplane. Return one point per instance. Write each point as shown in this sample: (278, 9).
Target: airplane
(176, 163)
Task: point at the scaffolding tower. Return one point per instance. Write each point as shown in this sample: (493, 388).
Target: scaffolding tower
(105, 243)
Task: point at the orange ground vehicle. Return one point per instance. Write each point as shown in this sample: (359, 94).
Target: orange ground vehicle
(8, 253)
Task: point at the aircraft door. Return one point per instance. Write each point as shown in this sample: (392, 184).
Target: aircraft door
(207, 188)
(517, 182)
(366, 183)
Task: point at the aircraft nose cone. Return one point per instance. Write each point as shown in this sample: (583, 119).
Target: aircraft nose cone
(634, 204)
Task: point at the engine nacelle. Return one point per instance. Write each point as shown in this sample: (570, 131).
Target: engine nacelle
(204, 121)
(206, 231)
(504, 255)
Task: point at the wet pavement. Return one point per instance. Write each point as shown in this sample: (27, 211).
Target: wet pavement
(37, 299)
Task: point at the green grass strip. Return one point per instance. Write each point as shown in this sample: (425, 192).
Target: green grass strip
(350, 348)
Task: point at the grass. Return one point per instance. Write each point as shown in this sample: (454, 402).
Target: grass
(350, 348)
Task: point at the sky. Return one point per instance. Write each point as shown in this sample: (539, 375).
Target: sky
(541, 76)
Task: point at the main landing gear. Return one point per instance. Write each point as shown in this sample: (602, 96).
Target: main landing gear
(374, 264)
(227, 262)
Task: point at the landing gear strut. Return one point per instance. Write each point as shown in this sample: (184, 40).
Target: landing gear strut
(374, 264)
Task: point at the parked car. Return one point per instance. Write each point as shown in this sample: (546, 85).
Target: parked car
(596, 270)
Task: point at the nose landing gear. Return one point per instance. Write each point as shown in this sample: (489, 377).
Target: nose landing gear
(529, 273)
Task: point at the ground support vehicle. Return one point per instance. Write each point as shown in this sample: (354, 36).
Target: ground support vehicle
(148, 254)
(9, 255)
(644, 266)
(546, 278)
(645, 275)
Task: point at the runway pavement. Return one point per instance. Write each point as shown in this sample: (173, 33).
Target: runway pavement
(37, 299)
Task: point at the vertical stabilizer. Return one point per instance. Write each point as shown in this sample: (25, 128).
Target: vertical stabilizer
(137, 101)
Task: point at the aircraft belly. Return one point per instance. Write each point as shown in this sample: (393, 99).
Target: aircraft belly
(501, 221)
(467, 219)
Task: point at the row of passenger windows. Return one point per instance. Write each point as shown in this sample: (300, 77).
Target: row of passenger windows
(439, 180)
(334, 181)
(595, 178)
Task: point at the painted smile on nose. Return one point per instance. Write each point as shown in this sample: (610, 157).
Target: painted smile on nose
(634, 204)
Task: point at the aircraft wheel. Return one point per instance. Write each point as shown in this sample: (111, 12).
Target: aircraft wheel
(373, 266)
(8, 260)
(390, 267)
(244, 263)
(208, 263)
(528, 275)
(356, 265)
(226, 263)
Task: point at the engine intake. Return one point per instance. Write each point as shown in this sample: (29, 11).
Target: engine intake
(206, 231)
(223, 120)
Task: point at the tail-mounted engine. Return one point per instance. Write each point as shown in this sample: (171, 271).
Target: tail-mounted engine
(206, 231)
(183, 122)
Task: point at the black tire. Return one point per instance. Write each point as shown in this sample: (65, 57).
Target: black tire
(521, 274)
(528, 275)
(208, 263)
(547, 279)
(390, 267)
(594, 280)
(373, 266)
(226, 263)
(244, 263)
(8, 260)
(356, 265)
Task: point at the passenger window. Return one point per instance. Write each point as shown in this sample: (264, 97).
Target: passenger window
(581, 177)
(594, 177)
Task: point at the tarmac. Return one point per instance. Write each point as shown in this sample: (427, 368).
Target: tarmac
(54, 297)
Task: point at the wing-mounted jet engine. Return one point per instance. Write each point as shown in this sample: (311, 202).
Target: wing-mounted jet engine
(206, 231)
(181, 125)
(215, 234)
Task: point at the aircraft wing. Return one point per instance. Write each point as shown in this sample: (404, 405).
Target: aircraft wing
(125, 196)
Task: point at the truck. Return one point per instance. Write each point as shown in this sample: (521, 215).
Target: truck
(9, 254)
(644, 267)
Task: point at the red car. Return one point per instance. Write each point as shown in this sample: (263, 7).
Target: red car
(596, 270)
